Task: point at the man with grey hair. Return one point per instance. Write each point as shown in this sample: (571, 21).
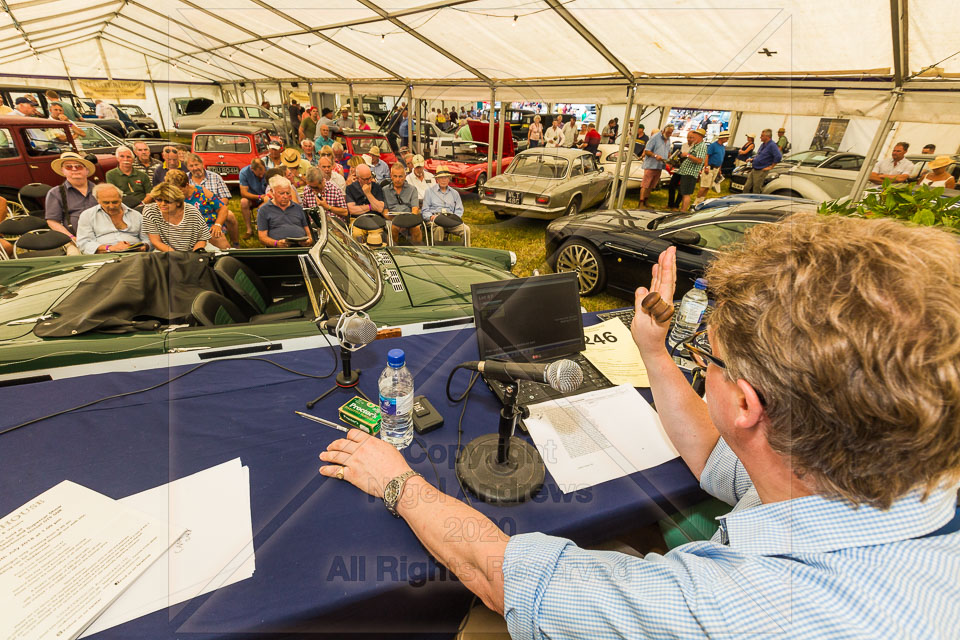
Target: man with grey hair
(309, 153)
(320, 193)
(110, 226)
(282, 222)
(143, 160)
(134, 185)
(767, 156)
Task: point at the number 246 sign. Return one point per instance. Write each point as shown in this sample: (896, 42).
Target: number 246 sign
(601, 338)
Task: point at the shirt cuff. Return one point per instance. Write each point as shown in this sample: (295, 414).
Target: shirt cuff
(528, 565)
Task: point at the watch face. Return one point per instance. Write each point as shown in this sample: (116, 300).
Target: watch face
(390, 493)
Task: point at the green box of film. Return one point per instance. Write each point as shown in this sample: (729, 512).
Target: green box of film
(361, 414)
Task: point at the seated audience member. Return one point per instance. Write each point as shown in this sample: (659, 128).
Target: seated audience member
(362, 123)
(331, 170)
(24, 106)
(365, 196)
(929, 149)
(273, 159)
(144, 161)
(134, 185)
(211, 207)
(65, 105)
(171, 160)
(407, 159)
(5, 109)
(401, 197)
(309, 152)
(340, 156)
(324, 138)
(292, 160)
(830, 424)
(56, 112)
(253, 190)
(282, 219)
(323, 194)
(171, 223)
(351, 177)
(441, 198)
(201, 179)
(896, 167)
(419, 177)
(183, 150)
(938, 176)
(111, 225)
(381, 170)
(345, 121)
(73, 196)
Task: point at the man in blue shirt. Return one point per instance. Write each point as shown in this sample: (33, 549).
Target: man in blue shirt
(439, 199)
(767, 156)
(323, 139)
(253, 189)
(831, 425)
(404, 125)
(655, 155)
(710, 178)
(282, 223)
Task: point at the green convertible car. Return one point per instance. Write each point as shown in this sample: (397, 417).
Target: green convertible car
(67, 316)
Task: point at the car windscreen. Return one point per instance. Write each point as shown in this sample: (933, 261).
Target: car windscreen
(807, 158)
(42, 141)
(221, 143)
(351, 267)
(133, 112)
(684, 219)
(362, 144)
(96, 138)
(536, 165)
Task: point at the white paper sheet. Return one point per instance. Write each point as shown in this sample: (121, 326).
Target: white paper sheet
(611, 349)
(598, 436)
(66, 555)
(214, 507)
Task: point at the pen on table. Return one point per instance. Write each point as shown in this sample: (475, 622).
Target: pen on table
(321, 421)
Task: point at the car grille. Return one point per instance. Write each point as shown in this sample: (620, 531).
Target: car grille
(393, 277)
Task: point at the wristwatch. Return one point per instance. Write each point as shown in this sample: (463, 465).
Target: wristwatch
(393, 491)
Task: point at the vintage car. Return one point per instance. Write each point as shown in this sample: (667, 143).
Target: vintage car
(547, 183)
(83, 107)
(467, 160)
(226, 149)
(204, 112)
(615, 250)
(99, 140)
(826, 159)
(608, 160)
(27, 147)
(140, 118)
(356, 142)
(129, 311)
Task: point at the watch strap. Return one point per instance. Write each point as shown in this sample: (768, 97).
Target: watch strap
(397, 485)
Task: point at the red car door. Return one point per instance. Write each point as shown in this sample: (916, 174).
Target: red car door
(14, 172)
(39, 151)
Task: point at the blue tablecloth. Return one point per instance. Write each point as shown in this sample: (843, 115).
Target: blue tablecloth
(328, 558)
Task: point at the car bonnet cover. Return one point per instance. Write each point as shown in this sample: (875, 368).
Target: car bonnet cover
(158, 287)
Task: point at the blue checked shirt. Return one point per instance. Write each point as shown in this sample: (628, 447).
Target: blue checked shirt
(810, 567)
(213, 183)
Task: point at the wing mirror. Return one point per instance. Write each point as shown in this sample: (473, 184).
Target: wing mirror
(685, 236)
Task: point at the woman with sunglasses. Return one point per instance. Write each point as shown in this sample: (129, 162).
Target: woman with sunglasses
(172, 224)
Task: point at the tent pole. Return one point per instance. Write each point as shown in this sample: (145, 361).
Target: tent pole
(106, 67)
(631, 92)
(871, 157)
(163, 127)
(360, 107)
(223, 94)
(418, 117)
(626, 170)
(73, 89)
(280, 89)
(493, 101)
(734, 125)
(309, 95)
(499, 166)
(410, 116)
(352, 107)
(256, 96)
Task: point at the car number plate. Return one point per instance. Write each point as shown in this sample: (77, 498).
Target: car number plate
(734, 186)
(514, 197)
(222, 170)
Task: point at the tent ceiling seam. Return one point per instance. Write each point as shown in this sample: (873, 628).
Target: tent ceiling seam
(121, 42)
(589, 38)
(170, 48)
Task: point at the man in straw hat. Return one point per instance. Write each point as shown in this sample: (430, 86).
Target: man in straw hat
(441, 198)
(381, 170)
(73, 196)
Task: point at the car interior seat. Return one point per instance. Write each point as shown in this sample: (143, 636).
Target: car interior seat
(447, 222)
(211, 309)
(250, 290)
(378, 227)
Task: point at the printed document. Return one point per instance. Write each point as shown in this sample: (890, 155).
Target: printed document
(611, 349)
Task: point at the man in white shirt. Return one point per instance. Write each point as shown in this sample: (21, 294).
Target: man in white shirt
(554, 135)
(570, 132)
(420, 177)
(106, 111)
(896, 168)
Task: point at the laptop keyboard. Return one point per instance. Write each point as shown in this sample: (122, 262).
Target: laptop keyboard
(533, 392)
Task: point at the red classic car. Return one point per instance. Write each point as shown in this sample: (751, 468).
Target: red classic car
(28, 146)
(355, 141)
(228, 149)
(467, 160)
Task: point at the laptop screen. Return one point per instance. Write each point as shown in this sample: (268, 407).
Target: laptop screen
(528, 319)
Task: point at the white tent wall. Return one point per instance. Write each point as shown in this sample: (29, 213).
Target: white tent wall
(917, 134)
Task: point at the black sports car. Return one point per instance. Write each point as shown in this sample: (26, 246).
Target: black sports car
(616, 249)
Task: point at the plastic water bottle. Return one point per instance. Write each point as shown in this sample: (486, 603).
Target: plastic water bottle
(692, 306)
(396, 401)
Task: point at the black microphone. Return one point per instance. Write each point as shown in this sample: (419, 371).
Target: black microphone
(349, 327)
(563, 375)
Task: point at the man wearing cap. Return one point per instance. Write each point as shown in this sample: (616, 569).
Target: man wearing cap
(273, 158)
(345, 121)
(24, 106)
(710, 176)
(323, 139)
(782, 143)
(365, 196)
(308, 125)
(655, 155)
(73, 196)
(641, 142)
(401, 197)
(133, 185)
(442, 199)
(693, 163)
(419, 177)
(767, 156)
(381, 170)
(171, 160)
(326, 118)
(253, 189)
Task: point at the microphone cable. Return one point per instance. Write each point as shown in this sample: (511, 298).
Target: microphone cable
(465, 397)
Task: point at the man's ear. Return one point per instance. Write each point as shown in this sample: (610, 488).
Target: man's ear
(750, 410)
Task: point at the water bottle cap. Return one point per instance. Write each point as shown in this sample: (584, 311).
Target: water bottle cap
(395, 358)
(701, 283)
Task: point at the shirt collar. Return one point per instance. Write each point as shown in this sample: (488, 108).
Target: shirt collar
(817, 524)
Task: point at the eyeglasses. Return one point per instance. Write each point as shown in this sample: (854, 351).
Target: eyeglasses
(74, 167)
(701, 356)
(167, 201)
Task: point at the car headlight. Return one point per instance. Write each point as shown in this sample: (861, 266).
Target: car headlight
(513, 259)
(773, 175)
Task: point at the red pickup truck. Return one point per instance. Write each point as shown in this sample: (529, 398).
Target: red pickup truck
(28, 146)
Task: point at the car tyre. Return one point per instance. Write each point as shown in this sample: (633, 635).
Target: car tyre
(574, 207)
(481, 182)
(585, 260)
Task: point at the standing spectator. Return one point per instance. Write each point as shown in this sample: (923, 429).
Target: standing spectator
(402, 197)
(710, 176)
(365, 196)
(591, 141)
(419, 177)
(56, 112)
(296, 114)
(24, 106)
(896, 168)
(265, 105)
(404, 130)
(340, 156)
(172, 224)
(110, 226)
(929, 149)
(253, 189)
(767, 156)
(452, 118)
(554, 137)
(615, 130)
(693, 163)
(535, 133)
(105, 110)
(937, 176)
(212, 208)
(570, 132)
(782, 143)
(73, 196)
(324, 194)
(381, 170)
(362, 123)
(202, 179)
(309, 152)
(746, 151)
(606, 136)
(345, 121)
(308, 125)
(324, 138)
(326, 118)
(655, 156)
(329, 168)
(68, 109)
(442, 199)
(464, 132)
(144, 161)
(641, 142)
(171, 160)
(282, 219)
(273, 159)
(673, 186)
(134, 185)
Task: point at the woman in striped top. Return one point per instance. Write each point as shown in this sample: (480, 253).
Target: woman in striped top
(172, 224)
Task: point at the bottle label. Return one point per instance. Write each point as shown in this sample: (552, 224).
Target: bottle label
(402, 405)
(692, 314)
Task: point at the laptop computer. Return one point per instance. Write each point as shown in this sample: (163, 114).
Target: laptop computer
(533, 320)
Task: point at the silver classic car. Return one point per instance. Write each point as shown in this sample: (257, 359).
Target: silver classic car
(547, 183)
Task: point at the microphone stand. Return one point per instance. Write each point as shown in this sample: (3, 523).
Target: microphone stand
(347, 379)
(502, 468)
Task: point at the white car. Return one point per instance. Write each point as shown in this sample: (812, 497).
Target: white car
(608, 160)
